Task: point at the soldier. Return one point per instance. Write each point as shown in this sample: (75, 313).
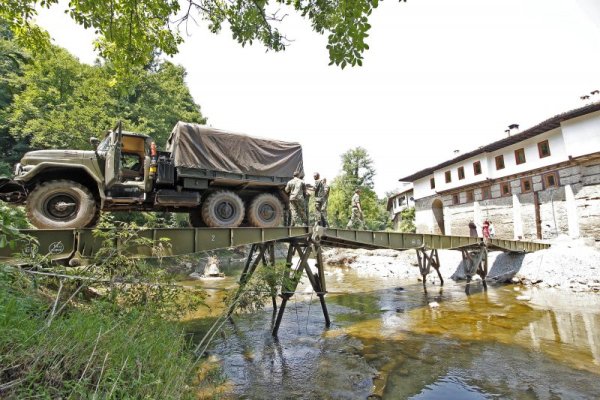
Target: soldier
(320, 213)
(297, 192)
(324, 203)
(357, 213)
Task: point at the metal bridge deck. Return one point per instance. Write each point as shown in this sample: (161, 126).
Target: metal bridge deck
(62, 244)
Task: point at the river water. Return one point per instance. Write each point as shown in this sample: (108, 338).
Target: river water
(387, 341)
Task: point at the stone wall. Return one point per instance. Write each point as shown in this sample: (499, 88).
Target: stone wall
(588, 200)
(553, 210)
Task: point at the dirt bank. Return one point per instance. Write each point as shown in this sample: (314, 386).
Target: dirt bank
(569, 264)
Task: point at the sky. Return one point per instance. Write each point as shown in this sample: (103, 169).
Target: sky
(440, 76)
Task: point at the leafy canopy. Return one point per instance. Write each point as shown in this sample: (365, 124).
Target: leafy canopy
(357, 172)
(131, 31)
(58, 102)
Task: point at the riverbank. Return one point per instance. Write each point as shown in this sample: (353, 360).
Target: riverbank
(568, 265)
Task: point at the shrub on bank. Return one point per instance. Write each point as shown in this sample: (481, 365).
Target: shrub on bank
(99, 351)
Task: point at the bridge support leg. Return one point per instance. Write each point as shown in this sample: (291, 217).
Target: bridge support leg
(293, 277)
(259, 250)
(426, 261)
(475, 262)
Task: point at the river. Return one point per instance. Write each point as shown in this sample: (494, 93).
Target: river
(387, 341)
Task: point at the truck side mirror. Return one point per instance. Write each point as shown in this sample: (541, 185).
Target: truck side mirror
(94, 141)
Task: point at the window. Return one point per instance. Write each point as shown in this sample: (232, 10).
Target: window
(432, 183)
(505, 189)
(520, 156)
(461, 173)
(526, 185)
(477, 167)
(551, 180)
(499, 162)
(448, 177)
(486, 193)
(544, 149)
(470, 196)
(455, 199)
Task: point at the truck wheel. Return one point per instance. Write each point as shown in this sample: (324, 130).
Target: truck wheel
(223, 209)
(61, 204)
(265, 211)
(95, 219)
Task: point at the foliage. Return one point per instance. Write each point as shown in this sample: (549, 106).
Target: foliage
(357, 172)
(102, 330)
(150, 219)
(11, 219)
(12, 61)
(135, 282)
(358, 168)
(98, 351)
(58, 94)
(130, 32)
(264, 285)
(407, 221)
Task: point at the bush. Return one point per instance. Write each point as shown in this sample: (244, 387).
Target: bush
(97, 351)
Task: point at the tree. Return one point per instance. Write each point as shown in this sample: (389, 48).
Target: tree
(358, 168)
(407, 220)
(131, 31)
(357, 172)
(12, 60)
(63, 102)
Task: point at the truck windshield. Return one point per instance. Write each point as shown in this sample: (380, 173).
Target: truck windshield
(103, 145)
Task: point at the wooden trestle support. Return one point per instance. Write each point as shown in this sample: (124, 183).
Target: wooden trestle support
(303, 247)
(475, 261)
(426, 261)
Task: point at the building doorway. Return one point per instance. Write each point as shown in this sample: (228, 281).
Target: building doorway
(438, 213)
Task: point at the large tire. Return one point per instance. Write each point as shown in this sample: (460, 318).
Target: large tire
(61, 204)
(265, 211)
(223, 209)
(95, 219)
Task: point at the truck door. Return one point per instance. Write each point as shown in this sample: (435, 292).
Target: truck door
(113, 157)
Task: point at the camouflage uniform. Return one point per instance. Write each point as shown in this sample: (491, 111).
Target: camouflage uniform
(297, 191)
(356, 216)
(324, 204)
(321, 193)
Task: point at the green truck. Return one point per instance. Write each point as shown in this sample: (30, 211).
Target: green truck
(221, 179)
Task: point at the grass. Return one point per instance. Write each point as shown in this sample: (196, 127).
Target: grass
(96, 351)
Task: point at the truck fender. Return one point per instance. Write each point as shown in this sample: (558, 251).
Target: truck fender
(33, 174)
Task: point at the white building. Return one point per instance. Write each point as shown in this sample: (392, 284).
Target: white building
(399, 202)
(538, 183)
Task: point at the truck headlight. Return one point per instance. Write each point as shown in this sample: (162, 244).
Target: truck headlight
(18, 169)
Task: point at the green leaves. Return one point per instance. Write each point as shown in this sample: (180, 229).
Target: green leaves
(358, 172)
(57, 102)
(131, 32)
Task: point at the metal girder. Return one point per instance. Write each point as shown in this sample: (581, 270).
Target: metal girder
(61, 244)
(405, 241)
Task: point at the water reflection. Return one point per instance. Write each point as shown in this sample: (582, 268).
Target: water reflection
(386, 340)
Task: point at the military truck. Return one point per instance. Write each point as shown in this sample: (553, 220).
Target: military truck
(221, 179)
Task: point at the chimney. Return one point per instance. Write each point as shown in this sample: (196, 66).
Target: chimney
(512, 128)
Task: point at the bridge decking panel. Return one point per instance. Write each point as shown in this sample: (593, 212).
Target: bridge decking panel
(66, 243)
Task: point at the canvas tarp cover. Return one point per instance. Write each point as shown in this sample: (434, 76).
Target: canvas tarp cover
(198, 146)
